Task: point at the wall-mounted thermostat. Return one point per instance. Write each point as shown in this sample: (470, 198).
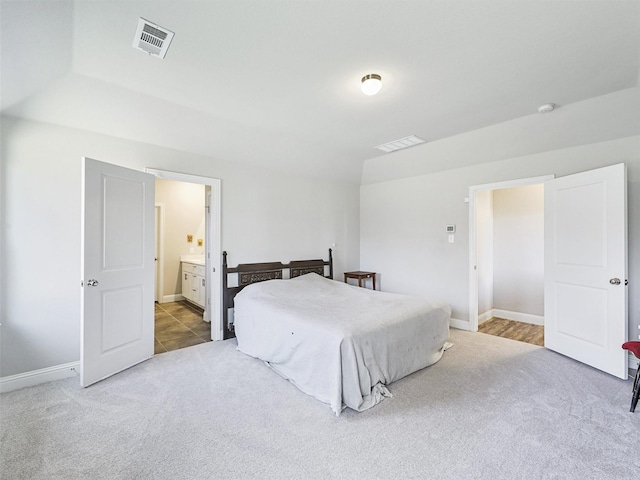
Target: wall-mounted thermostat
(451, 229)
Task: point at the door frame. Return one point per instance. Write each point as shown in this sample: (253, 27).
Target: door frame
(473, 236)
(159, 280)
(214, 247)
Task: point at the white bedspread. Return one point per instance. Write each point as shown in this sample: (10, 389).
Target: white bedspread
(340, 343)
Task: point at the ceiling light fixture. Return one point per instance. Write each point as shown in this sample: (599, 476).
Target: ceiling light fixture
(546, 108)
(371, 84)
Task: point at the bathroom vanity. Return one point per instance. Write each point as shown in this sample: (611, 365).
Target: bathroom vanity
(193, 279)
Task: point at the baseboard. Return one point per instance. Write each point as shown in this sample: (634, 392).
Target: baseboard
(172, 298)
(519, 317)
(485, 316)
(633, 363)
(36, 377)
(459, 324)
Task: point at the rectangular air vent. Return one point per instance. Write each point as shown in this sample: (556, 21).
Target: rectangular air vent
(399, 144)
(152, 39)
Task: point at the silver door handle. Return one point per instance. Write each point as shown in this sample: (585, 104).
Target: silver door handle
(614, 281)
(92, 283)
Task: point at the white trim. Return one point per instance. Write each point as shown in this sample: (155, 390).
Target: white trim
(160, 232)
(214, 263)
(180, 177)
(176, 297)
(633, 361)
(488, 315)
(459, 324)
(519, 317)
(473, 236)
(36, 377)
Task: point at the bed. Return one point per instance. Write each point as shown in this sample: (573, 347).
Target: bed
(340, 343)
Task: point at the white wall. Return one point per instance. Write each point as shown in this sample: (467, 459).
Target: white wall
(265, 216)
(518, 249)
(484, 259)
(402, 222)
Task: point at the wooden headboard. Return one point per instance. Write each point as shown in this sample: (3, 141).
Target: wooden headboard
(248, 273)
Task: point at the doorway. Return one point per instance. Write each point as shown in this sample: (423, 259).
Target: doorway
(507, 258)
(585, 259)
(202, 245)
(117, 264)
(180, 251)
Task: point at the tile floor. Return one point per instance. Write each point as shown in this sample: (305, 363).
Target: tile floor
(179, 325)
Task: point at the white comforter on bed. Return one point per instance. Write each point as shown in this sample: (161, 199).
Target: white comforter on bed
(340, 343)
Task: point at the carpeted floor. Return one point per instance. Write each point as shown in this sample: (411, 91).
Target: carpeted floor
(492, 408)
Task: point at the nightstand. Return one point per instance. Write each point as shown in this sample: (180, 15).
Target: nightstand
(360, 276)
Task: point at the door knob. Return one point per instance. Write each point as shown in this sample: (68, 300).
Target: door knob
(92, 283)
(614, 281)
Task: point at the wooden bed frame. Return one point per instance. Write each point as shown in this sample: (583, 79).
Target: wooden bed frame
(249, 273)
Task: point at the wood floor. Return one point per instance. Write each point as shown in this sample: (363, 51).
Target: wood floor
(523, 332)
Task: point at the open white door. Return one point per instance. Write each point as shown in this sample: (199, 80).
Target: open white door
(586, 268)
(117, 257)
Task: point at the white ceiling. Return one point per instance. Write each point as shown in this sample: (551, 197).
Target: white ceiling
(276, 83)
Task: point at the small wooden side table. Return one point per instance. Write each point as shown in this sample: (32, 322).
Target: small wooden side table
(360, 276)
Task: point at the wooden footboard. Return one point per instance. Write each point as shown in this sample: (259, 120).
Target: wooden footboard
(248, 273)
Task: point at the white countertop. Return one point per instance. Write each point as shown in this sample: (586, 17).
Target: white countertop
(196, 259)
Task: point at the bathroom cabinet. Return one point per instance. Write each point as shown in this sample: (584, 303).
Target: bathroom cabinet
(193, 283)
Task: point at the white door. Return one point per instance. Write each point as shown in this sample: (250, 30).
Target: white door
(586, 268)
(117, 253)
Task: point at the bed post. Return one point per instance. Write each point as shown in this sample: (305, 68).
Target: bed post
(225, 301)
(331, 264)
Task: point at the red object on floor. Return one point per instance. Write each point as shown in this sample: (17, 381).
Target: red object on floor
(634, 347)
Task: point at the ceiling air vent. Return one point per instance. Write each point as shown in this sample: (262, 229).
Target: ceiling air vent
(399, 144)
(152, 39)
